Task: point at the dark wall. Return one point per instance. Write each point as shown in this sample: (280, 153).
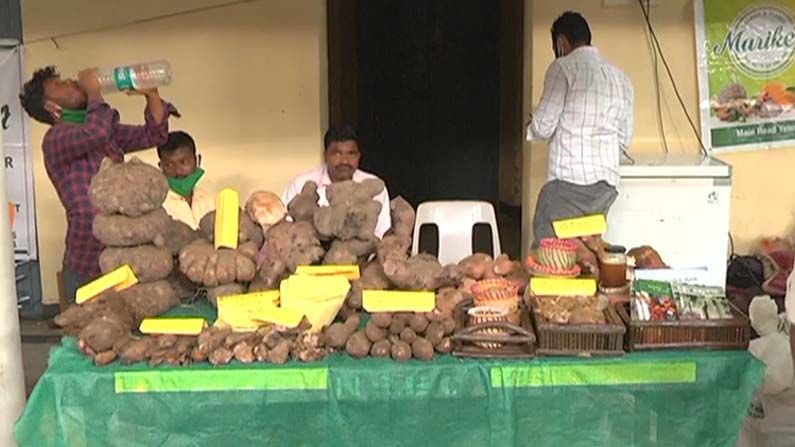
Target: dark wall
(428, 96)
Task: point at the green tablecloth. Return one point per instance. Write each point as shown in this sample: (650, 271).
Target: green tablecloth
(678, 398)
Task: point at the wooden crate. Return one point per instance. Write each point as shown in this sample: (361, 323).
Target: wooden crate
(734, 333)
(582, 340)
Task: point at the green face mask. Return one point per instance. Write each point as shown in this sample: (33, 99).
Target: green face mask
(73, 116)
(184, 186)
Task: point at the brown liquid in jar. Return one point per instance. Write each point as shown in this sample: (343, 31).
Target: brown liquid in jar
(613, 270)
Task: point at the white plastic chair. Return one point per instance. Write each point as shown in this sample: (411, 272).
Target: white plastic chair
(455, 220)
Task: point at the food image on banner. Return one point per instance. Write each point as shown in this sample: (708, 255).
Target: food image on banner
(746, 50)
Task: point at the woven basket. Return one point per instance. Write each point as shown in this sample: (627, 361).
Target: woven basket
(485, 315)
(496, 292)
(560, 254)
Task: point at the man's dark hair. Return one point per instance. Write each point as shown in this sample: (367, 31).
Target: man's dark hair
(574, 26)
(175, 141)
(340, 133)
(32, 96)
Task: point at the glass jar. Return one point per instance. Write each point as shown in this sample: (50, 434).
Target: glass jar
(613, 267)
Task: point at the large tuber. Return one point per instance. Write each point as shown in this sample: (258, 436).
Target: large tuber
(149, 263)
(133, 188)
(117, 230)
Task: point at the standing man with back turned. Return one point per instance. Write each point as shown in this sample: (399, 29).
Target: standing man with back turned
(586, 114)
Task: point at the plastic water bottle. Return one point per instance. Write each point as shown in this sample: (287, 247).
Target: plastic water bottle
(144, 76)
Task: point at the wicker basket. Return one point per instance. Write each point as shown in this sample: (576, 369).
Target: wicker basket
(583, 340)
(560, 254)
(734, 333)
(496, 292)
(515, 342)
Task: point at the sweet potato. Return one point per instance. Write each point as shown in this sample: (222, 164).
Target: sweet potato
(421, 272)
(445, 346)
(397, 325)
(381, 348)
(105, 358)
(449, 325)
(373, 332)
(244, 352)
(221, 356)
(503, 265)
(280, 352)
(354, 298)
(261, 352)
(401, 351)
(447, 299)
(336, 335)
(373, 277)
(381, 319)
(358, 345)
(408, 335)
(475, 265)
(137, 350)
(422, 349)
(435, 332)
(418, 323)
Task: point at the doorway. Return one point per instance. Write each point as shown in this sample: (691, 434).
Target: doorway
(434, 89)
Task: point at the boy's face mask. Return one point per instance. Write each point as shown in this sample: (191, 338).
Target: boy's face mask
(184, 186)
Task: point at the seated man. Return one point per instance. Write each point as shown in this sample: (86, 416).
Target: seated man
(341, 163)
(190, 196)
(83, 130)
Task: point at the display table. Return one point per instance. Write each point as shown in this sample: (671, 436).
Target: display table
(678, 398)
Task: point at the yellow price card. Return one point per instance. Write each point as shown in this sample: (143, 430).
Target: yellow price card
(227, 219)
(398, 301)
(173, 326)
(580, 226)
(349, 271)
(563, 286)
(120, 279)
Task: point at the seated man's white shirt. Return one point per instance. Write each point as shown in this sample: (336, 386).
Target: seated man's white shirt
(202, 202)
(320, 176)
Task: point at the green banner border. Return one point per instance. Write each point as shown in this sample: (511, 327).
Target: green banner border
(169, 381)
(642, 373)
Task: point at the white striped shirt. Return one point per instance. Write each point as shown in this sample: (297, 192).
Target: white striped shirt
(586, 113)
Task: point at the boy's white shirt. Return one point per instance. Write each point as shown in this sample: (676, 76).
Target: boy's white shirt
(203, 202)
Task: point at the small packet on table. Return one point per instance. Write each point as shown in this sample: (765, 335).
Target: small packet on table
(653, 301)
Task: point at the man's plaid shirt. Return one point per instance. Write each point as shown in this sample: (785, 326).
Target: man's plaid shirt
(72, 155)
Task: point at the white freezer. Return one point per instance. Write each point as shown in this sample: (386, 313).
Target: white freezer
(679, 204)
